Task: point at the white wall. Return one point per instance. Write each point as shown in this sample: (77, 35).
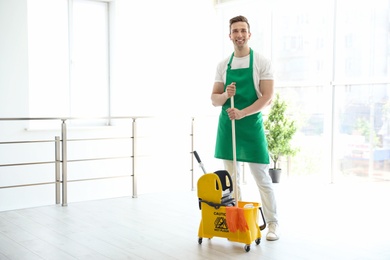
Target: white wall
(13, 58)
(163, 64)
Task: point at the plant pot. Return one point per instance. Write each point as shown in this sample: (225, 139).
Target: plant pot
(275, 175)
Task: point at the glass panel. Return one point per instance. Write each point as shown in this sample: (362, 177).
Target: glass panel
(89, 76)
(302, 41)
(307, 106)
(362, 40)
(363, 142)
(48, 58)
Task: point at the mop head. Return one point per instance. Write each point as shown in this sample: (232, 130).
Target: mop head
(235, 219)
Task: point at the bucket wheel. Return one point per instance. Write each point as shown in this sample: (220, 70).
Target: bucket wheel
(200, 240)
(247, 248)
(257, 241)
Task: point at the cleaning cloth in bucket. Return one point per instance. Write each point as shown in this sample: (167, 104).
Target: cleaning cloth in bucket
(235, 219)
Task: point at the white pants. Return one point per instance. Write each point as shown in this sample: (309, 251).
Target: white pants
(264, 184)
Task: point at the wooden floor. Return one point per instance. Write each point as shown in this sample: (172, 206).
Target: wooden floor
(320, 221)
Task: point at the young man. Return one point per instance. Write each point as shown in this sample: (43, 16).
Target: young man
(248, 77)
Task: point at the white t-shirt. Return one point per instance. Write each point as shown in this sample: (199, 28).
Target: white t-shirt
(262, 69)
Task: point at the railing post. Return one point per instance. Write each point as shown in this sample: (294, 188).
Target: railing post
(134, 149)
(243, 173)
(192, 154)
(57, 169)
(64, 164)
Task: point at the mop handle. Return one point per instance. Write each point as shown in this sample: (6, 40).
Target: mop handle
(234, 153)
(199, 161)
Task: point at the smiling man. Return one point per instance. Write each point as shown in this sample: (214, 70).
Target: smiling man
(247, 76)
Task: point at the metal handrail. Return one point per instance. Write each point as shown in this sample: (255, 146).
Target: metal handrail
(24, 164)
(69, 118)
(61, 158)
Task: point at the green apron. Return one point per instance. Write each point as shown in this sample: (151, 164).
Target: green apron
(251, 143)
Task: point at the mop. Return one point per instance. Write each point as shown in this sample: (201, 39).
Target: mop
(235, 217)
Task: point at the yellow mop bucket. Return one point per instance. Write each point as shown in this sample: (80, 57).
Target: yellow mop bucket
(216, 202)
(219, 210)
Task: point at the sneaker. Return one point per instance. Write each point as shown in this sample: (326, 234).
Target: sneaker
(273, 232)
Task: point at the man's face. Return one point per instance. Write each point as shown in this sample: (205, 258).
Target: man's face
(239, 34)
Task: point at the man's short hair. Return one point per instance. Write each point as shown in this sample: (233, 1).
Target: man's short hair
(239, 18)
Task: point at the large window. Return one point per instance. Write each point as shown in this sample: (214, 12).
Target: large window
(332, 62)
(48, 57)
(68, 58)
(89, 90)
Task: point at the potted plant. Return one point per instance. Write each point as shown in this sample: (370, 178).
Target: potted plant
(280, 131)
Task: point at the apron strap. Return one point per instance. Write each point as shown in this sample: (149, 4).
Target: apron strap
(229, 66)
